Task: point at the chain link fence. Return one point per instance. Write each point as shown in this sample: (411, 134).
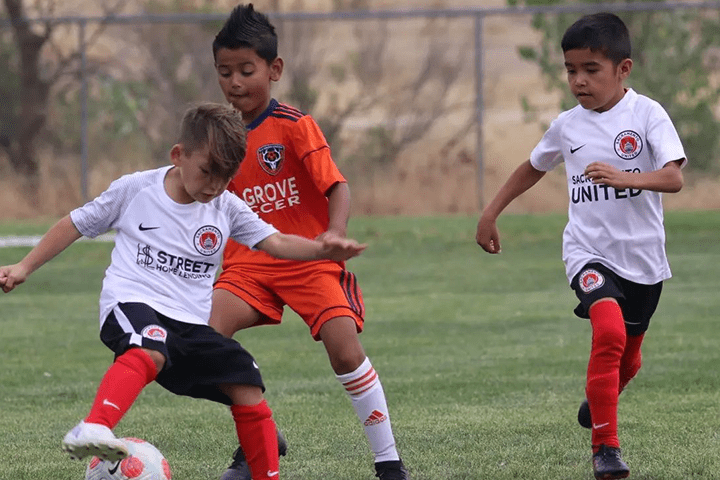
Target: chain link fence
(426, 111)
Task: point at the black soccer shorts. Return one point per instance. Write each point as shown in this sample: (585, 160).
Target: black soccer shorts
(637, 301)
(198, 358)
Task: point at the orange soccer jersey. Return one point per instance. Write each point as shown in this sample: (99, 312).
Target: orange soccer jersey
(284, 177)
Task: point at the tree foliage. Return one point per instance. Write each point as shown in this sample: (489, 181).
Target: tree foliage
(28, 81)
(676, 57)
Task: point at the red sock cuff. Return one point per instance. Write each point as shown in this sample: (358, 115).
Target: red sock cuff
(604, 307)
(251, 412)
(139, 361)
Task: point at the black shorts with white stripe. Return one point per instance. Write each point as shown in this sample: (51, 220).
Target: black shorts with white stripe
(198, 358)
(637, 301)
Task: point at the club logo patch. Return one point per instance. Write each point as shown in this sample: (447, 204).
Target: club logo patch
(590, 280)
(628, 145)
(208, 240)
(154, 332)
(271, 158)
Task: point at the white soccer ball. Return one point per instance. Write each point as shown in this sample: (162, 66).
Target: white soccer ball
(144, 462)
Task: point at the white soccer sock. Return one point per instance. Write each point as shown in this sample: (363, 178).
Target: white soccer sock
(368, 399)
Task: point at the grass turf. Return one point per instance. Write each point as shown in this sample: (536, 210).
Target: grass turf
(480, 356)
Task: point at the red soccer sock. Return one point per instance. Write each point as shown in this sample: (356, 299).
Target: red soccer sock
(631, 360)
(258, 438)
(603, 378)
(120, 386)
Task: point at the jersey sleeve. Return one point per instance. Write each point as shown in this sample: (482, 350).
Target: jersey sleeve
(245, 226)
(663, 138)
(314, 152)
(99, 215)
(547, 154)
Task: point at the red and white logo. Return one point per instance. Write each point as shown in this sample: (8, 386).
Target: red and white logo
(375, 417)
(154, 332)
(271, 157)
(628, 144)
(208, 240)
(591, 280)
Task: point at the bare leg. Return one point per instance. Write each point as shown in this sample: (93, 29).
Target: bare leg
(230, 313)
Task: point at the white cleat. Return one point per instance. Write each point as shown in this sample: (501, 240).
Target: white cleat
(87, 439)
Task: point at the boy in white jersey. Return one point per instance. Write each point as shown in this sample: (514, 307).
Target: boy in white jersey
(172, 225)
(621, 151)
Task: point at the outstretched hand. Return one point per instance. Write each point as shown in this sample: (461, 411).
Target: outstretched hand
(11, 276)
(338, 248)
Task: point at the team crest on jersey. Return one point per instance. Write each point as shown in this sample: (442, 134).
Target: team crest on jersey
(628, 144)
(271, 158)
(154, 332)
(591, 280)
(208, 240)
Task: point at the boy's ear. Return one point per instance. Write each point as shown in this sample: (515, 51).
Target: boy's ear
(625, 67)
(176, 152)
(276, 69)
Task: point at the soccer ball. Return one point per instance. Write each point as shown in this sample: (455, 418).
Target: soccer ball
(144, 462)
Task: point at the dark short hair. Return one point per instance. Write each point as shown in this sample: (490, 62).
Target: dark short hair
(220, 128)
(246, 28)
(603, 32)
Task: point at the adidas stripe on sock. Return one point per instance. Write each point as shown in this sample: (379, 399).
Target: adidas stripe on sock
(368, 399)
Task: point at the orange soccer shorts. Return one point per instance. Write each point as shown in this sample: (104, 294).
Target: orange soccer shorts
(317, 291)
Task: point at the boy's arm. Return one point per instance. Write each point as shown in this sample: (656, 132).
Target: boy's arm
(338, 210)
(294, 247)
(668, 179)
(58, 238)
(524, 177)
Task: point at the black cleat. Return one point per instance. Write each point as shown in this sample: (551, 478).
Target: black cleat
(391, 470)
(607, 464)
(239, 468)
(584, 418)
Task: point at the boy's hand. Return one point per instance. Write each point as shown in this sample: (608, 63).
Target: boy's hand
(339, 249)
(487, 235)
(603, 173)
(11, 276)
(329, 234)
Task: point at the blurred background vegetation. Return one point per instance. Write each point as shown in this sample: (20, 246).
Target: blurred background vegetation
(394, 97)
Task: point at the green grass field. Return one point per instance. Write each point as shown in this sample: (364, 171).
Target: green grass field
(481, 358)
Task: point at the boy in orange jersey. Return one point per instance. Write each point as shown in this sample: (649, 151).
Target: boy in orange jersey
(290, 180)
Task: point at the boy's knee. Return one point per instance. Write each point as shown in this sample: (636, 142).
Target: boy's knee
(346, 361)
(240, 394)
(611, 339)
(157, 358)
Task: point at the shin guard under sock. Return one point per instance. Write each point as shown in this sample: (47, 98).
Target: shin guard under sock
(603, 378)
(257, 433)
(631, 360)
(120, 386)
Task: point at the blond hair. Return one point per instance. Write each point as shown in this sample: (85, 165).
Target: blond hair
(220, 128)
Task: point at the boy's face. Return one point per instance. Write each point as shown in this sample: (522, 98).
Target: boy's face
(594, 79)
(245, 79)
(197, 183)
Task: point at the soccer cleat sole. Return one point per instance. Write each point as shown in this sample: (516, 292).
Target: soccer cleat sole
(104, 452)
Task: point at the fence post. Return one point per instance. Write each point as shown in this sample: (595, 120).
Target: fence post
(83, 112)
(479, 109)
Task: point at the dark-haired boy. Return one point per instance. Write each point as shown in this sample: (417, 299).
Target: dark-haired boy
(290, 179)
(620, 151)
(172, 224)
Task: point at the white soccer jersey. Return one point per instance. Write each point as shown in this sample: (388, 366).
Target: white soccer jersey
(621, 229)
(166, 254)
